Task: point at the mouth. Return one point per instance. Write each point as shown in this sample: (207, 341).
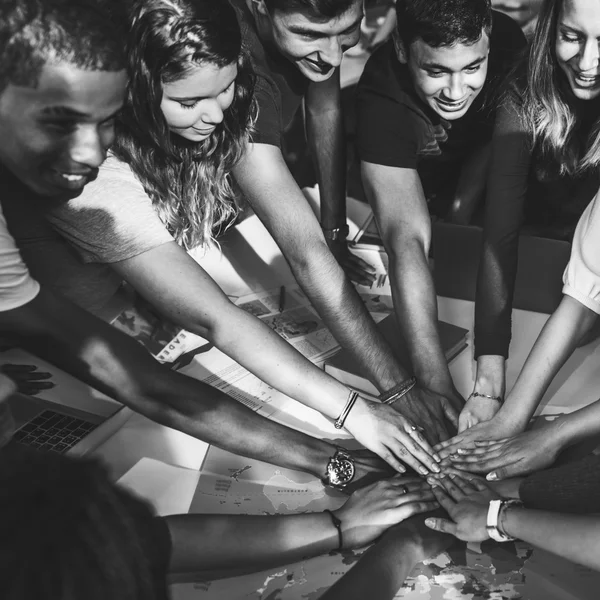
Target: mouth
(204, 131)
(71, 180)
(320, 67)
(586, 81)
(447, 106)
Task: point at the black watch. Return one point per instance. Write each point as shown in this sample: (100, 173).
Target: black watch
(340, 470)
(337, 233)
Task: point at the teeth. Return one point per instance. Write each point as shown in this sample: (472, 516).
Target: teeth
(71, 177)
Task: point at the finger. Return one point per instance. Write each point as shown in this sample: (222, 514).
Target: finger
(468, 456)
(443, 525)
(362, 264)
(10, 368)
(487, 450)
(421, 449)
(392, 460)
(444, 500)
(483, 443)
(451, 413)
(404, 455)
(31, 376)
(512, 470)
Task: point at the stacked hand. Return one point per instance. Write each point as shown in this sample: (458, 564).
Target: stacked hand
(390, 435)
(477, 409)
(435, 414)
(29, 380)
(466, 502)
(373, 509)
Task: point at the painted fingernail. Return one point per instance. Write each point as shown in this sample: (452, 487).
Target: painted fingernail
(492, 476)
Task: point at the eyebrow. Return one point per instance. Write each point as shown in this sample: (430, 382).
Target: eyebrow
(304, 30)
(433, 66)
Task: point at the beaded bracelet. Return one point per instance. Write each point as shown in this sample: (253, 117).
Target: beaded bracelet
(478, 395)
(398, 391)
(337, 523)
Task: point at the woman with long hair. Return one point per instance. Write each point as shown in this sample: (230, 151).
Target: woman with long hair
(543, 174)
(165, 188)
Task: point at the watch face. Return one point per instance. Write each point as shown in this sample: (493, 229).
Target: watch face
(341, 471)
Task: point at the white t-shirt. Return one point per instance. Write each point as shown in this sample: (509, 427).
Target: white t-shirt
(17, 287)
(582, 275)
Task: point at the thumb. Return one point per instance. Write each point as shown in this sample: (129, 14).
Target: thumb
(451, 413)
(505, 472)
(443, 525)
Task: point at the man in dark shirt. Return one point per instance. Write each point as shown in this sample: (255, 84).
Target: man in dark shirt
(296, 48)
(425, 120)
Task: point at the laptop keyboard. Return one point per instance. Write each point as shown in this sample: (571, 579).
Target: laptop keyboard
(53, 431)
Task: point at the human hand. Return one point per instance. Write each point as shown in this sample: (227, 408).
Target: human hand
(498, 427)
(368, 468)
(371, 510)
(28, 378)
(7, 424)
(518, 455)
(355, 267)
(430, 411)
(466, 502)
(477, 410)
(390, 435)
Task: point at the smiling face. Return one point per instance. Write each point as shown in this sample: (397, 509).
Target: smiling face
(448, 78)
(314, 45)
(577, 52)
(56, 135)
(194, 106)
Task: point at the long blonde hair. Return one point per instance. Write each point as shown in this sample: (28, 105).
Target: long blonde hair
(548, 107)
(189, 183)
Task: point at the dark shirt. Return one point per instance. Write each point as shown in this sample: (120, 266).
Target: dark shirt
(396, 128)
(522, 189)
(280, 86)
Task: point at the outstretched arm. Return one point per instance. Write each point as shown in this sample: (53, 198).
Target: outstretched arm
(327, 145)
(269, 186)
(114, 363)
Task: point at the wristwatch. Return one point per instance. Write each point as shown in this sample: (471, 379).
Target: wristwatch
(338, 233)
(493, 517)
(340, 470)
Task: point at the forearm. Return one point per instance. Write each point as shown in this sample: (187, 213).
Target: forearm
(415, 303)
(490, 375)
(233, 542)
(574, 537)
(327, 145)
(264, 353)
(556, 342)
(344, 313)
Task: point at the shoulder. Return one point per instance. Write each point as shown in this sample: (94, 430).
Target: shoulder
(507, 40)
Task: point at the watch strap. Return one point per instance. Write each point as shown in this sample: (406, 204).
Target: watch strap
(337, 233)
(493, 519)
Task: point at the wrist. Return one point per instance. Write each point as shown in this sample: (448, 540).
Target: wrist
(490, 376)
(317, 458)
(560, 433)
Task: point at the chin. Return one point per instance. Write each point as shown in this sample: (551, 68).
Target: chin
(590, 94)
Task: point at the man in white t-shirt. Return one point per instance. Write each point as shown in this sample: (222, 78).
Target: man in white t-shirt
(62, 80)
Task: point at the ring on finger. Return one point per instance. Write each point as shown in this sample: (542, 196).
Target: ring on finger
(403, 490)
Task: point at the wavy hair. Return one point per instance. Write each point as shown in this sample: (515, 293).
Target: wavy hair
(548, 108)
(189, 183)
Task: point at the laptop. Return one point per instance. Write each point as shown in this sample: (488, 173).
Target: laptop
(541, 264)
(70, 418)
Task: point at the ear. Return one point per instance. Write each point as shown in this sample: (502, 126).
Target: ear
(401, 52)
(259, 6)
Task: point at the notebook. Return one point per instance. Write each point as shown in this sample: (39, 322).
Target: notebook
(70, 418)
(345, 369)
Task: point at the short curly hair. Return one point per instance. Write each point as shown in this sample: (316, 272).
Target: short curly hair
(320, 8)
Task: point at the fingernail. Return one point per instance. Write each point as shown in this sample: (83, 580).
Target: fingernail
(452, 476)
(492, 476)
(401, 469)
(437, 458)
(423, 471)
(430, 522)
(431, 481)
(435, 468)
(454, 457)
(461, 451)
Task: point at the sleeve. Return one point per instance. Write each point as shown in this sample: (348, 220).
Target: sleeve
(112, 220)
(385, 133)
(570, 488)
(582, 275)
(17, 287)
(506, 190)
(268, 127)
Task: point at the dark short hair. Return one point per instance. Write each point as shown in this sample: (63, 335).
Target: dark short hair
(68, 532)
(84, 33)
(319, 8)
(443, 22)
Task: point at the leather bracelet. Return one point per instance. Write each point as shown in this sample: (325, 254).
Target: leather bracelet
(352, 398)
(337, 523)
(478, 395)
(398, 391)
(337, 233)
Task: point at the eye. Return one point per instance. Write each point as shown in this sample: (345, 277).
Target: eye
(474, 69)
(188, 104)
(569, 37)
(62, 126)
(435, 73)
(228, 88)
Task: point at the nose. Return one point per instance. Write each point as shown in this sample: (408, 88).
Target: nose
(89, 147)
(455, 89)
(333, 53)
(212, 113)
(588, 58)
